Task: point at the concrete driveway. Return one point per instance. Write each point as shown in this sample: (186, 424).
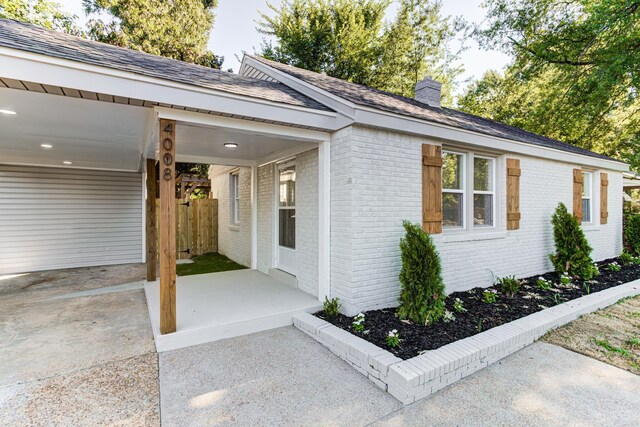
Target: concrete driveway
(77, 349)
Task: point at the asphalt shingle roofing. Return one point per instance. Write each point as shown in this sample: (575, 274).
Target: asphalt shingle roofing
(31, 38)
(385, 101)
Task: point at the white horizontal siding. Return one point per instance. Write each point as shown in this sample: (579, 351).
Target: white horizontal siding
(54, 218)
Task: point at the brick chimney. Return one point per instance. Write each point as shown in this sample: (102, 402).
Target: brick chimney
(428, 91)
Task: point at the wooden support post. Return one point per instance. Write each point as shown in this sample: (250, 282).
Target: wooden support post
(151, 220)
(167, 226)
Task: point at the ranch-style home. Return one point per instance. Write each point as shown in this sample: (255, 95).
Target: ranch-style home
(313, 177)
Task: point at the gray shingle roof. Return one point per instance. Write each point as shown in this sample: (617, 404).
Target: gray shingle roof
(384, 101)
(30, 38)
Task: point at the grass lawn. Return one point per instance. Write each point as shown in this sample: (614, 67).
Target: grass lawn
(208, 263)
(611, 335)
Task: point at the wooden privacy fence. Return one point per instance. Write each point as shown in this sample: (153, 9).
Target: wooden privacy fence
(196, 227)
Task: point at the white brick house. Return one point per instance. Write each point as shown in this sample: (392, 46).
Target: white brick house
(376, 183)
(314, 175)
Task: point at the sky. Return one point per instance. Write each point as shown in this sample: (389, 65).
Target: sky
(235, 32)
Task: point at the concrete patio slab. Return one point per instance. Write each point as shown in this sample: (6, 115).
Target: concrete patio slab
(541, 385)
(276, 377)
(123, 393)
(215, 306)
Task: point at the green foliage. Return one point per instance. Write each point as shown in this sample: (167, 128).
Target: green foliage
(422, 295)
(490, 296)
(573, 253)
(331, 307)
(575, 73)
(350, 40)
(177, 29)
(458, 306)
(543, 284)
(208, 263)
(632, 234)
(44, 13)
(358, 322)
(393, 338)
(509, 285)
(614, 267)
(626, 258)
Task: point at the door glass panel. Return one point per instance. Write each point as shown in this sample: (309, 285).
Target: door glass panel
(288, 228)
(287, 210)
(288, 186)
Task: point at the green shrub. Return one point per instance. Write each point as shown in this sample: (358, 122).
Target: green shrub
(509, 285)
(632, 234)
(422, 294)
(626, 258)
(573, 253)
(331, 307)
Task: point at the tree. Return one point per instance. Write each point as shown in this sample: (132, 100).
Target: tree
(575, 73)
(44, 13)
(573, 252)
(177, 29)
(422, 288)
(350, 40)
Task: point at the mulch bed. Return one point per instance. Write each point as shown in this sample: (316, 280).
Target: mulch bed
(480, 316)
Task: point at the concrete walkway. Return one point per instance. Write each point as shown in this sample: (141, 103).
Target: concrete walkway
(283, 377)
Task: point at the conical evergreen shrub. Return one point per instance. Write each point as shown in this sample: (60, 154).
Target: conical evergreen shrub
(573, 253)
(422, 295)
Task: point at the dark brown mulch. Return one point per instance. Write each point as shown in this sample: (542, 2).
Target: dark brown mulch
(480, 315)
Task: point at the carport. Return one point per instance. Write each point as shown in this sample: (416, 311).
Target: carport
(89, 122)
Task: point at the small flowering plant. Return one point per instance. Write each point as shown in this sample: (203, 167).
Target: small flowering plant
(393, 338)
(489, 296)
(458, 306)
(614, 267)
(543, 284)
(358, 322)
(565, 279)
(448, 316)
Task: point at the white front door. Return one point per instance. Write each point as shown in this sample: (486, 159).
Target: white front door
(286, 218)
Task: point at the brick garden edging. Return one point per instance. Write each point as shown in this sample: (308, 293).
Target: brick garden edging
(416, 378)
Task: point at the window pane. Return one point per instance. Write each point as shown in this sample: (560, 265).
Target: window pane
(482, 209)
(452, 209)
(288, 186)
(482, 176)
(586, 210)
(288, 228)
(586, 184)
(452, 171)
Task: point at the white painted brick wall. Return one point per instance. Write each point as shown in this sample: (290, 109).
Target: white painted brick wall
(376, 183)
(307, 220)
(266, 186)
(234, 241)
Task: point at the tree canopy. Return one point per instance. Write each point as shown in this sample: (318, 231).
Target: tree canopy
(350, 40)
(44, 13)
(575, 74)
(177, 29)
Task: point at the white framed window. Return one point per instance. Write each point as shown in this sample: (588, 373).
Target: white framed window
(234, 198)
(483, 191)
(453, 190)
(587, 197)
(468, 190)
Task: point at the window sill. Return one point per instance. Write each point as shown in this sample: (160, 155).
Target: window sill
(466, 236)
(234, 227)
(590, 227)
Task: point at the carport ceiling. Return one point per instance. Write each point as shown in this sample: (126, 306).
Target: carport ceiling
(90, 134)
